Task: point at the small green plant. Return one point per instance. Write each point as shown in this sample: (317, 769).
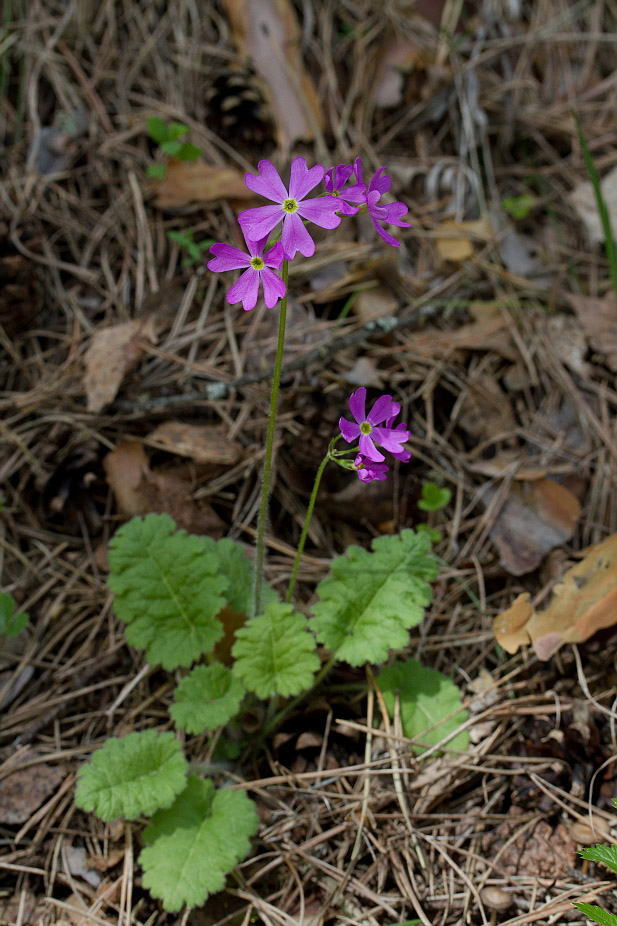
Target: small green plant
(194, 249)
(171, 590)
(519, 207)
(168, 138)
(607, 855)
(12, 622)
(434, 498)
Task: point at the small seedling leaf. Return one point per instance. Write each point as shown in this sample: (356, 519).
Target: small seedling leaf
(607, 855)
(192, 846)
(11, 622)
(131, 776)
(430, 704)
(275, 653)
(371, 599)
(206, 699)
(157, 171)
(519, 207)
(167, 589)
(157, 130)
(597, 914)
(188, 152)
(433, 498)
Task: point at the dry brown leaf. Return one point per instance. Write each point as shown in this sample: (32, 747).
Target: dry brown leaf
(485, 408)
(203, 443)
(374, 303)
(23, 791)
(536, 517)
(599, 320)
(583, 199)
(193, 182)
(268, 32)
(519, 464)
(112, 353)
(488, 333)
(455, 241)
(583, 602)
(139, 490)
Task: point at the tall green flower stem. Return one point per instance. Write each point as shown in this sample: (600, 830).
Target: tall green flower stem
(265, 488)
(307, 521)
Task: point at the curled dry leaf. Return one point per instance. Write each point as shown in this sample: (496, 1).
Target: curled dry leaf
(599, 320)
(583, 602)
(583, 199)
(455, 240)
(193, 183)
(536, 517)
(112, 353)
(139, 490)
(203, 443)
(268, 32)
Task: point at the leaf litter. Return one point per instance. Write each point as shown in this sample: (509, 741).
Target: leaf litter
(486, 348)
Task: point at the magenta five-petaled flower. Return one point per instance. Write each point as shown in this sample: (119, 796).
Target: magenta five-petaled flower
(368, 429)
(334, 181)
(391, 214)
(259, 269)
(368, 471)
(290, 206)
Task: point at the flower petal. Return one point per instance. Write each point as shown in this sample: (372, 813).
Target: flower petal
(226, 257)
(357, 170)
(355, 193)
(389, 239)
(368, 449)
(395, 213)
(382, 184)
(274, 288)
(349, 430)
(245, 290)
(390, 440)
(258, 223)
(320, 211)
(302, 180)
(296, 238)
(357, 404)
(268, 183)
(383, 408)
(275, 257)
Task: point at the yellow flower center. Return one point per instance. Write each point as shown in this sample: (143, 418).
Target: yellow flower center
(365, 427)
(290, 205)
(257, 263)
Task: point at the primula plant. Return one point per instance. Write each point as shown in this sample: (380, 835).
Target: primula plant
(174, 592)
(606, 855)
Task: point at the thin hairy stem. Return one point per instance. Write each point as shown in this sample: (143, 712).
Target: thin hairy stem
(307, 521)
(265, 489)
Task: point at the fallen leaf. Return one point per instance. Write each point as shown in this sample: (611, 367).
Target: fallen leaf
(74, 857)
(23, 791)
(583, 199)
(583, 602)
(536, 517)
(455, 240)
(268, 32)
(364, 372)
(599, 320)
(203, 443)
(488, 331)
(374, 303)
(397, 59)
(112, 353)
(520, 465)
(139, 490)
(194, 182)
(485, 409)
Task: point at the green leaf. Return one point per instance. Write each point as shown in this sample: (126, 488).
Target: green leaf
(433, 497)
(605, 854)
(176, 130)
(157, 130)
(519, 207)
(206, 699)
(426, 697)
(371, 600)
(237, 568)
(171, 147)
(275, 653)
(167, 590)
(434, 535)
(131, 776)
(11, 622)
(194, 844)
(597, 914)
(157, 171)
(188, 152)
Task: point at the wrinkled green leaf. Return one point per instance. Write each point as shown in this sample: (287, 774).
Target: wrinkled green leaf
(372, 599)
(426, 697)
(206, 699)
(192, 846)
(131, 776)
(607, 855)
(12, 622)
(597, 914)
(275, 653)
(167, 589)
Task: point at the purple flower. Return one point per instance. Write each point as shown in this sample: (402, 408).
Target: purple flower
(290, 206)
(334, 181)
(368, 471)
(366, 429)
(403, 455)
(392, 213)
(258, 265)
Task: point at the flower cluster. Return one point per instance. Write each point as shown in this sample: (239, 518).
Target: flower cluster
(345, 195)
(373, 429)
